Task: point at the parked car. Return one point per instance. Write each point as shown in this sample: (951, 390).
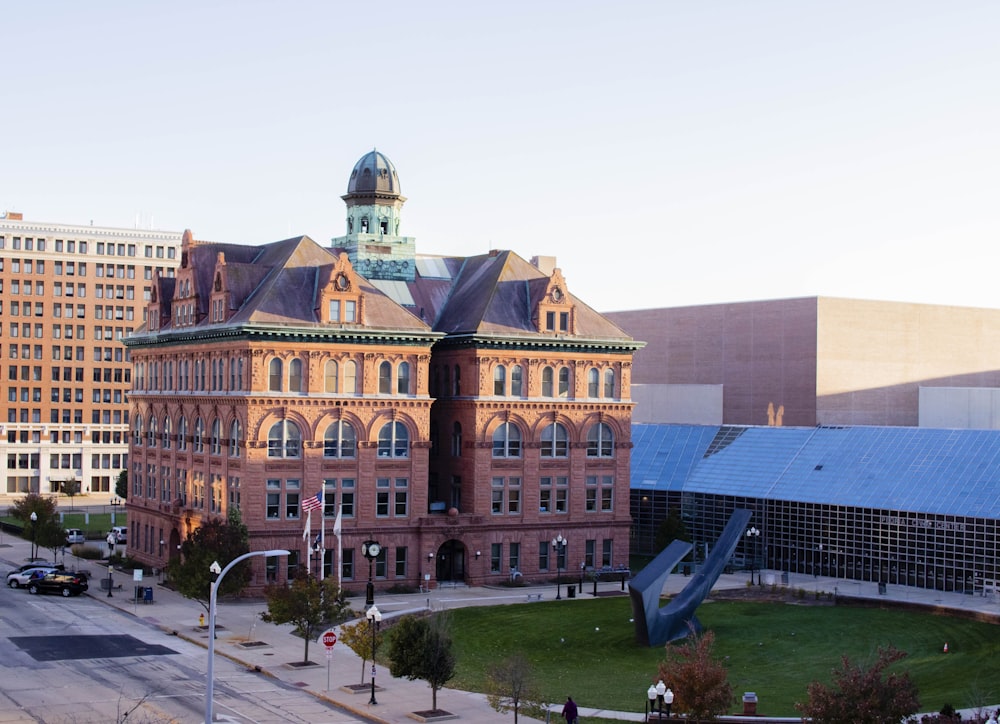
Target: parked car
(121, 533)
(61, 582)
(22, 578)
(39, 564)
(74, 536)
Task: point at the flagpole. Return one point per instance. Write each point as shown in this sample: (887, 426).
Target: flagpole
(306, 534)
(340, 559)
(322, 531)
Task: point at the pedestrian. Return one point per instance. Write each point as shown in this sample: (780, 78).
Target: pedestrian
(111, 542)
(569, 710)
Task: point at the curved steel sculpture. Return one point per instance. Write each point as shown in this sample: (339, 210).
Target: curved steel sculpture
(655, 626)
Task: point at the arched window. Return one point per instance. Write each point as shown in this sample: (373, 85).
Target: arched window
(499, 380)
(516, 381)
(182, 433)
(199, 435)
(274, 375)
(403, 378)
(609, 384)
(284, 440)
(330, 373)
(507, 441)
(548, 377)
(393, 441)
(600, 441)
(137, 431)
(295, 375)
(232, 375)
(456, 440)
(384, 378)
(564, 381)
(340, 441)
(555, 442)
(234, 439)
(350, 377)
(239, 374)
(167, 429)
(151, 434)
(593, 382)
(216, 437)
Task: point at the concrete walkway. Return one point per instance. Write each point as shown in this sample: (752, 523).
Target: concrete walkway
(274, 650)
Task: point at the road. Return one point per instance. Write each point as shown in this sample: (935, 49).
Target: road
(78, 661)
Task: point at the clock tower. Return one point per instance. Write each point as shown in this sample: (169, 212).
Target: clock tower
(374, 205)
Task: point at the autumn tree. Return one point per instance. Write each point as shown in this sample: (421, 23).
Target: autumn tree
(358, 638)
(510, 686)
(421, 648)
(699, 681)
(863, 694)
(215, 540)
(308, 603)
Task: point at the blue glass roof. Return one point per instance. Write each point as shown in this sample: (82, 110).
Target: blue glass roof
(935, 471)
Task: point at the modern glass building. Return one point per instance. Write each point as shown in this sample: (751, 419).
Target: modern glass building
(900, 505)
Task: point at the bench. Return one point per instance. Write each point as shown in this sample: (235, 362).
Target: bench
(534, 597)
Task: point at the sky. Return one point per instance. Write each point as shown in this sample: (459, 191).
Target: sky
(666, 153)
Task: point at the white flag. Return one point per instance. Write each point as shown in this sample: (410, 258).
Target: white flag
(305, 533)
(336, 523)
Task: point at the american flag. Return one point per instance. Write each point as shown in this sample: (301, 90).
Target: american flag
(313, 503)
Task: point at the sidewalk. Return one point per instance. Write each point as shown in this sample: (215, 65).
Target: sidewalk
(273, 650)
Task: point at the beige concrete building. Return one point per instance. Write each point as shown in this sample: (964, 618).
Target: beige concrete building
(812, 361)
(68, 295)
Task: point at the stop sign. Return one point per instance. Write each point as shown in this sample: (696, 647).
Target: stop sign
(329, 638)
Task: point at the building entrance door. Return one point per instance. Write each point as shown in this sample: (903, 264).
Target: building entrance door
(451, 561)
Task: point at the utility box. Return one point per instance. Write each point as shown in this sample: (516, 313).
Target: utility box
(749, 703)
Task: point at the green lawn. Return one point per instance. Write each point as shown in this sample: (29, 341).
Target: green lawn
(97, 529)
(586, 649)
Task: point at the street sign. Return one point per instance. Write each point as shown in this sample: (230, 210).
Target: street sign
(329, 638)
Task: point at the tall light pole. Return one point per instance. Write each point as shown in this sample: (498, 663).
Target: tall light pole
(220, 573)
(374, 617)
(559, 546)
(34, 520)
(370, 550)
(752, 535)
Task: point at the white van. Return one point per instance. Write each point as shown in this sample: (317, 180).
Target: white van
(121, 533)
(74, 536)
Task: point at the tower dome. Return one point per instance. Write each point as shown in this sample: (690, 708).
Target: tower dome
(374, 174)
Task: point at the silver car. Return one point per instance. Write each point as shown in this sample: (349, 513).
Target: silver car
(21, 578)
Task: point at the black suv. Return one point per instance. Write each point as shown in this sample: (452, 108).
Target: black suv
(66, 584)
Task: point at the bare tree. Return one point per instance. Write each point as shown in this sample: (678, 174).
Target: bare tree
(510, 686)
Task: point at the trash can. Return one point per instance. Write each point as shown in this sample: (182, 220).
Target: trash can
(749, 703)
(881, 589)
(570, 591)
(139, 593)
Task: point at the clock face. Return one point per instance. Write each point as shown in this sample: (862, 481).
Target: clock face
(557, 294)
(374, 549)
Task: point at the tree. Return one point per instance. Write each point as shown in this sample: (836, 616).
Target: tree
(700, 682)
(358, 638)
(510, 686)
(309, 604)
(41, 530)
(71, 488)
(860, 694)
(420, 648)
(672, 528)
(121, 485)
(215, 540)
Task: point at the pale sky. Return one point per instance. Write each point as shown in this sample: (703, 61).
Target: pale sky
(666, 153)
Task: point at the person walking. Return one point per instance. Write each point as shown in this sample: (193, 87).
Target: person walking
(111, 543)
(569, 710)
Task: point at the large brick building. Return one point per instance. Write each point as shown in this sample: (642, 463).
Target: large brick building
(68, 296)
(463, 411)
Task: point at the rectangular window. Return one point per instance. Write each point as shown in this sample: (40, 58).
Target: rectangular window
(273, 499)
(400, 498)
(401, 562)
(347, 565)
(497, 496)
(292, 497)
(496, 555)
(606, 551)
(588, 555)
(545, 495)
(514, 556)
(382, 498)
(543, 555)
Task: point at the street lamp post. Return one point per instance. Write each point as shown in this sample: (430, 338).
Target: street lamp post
(660, 698)
(219, 574)
(370, 550)
(752, 535)
(559, 546)
(34, 520)
(374, 617)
